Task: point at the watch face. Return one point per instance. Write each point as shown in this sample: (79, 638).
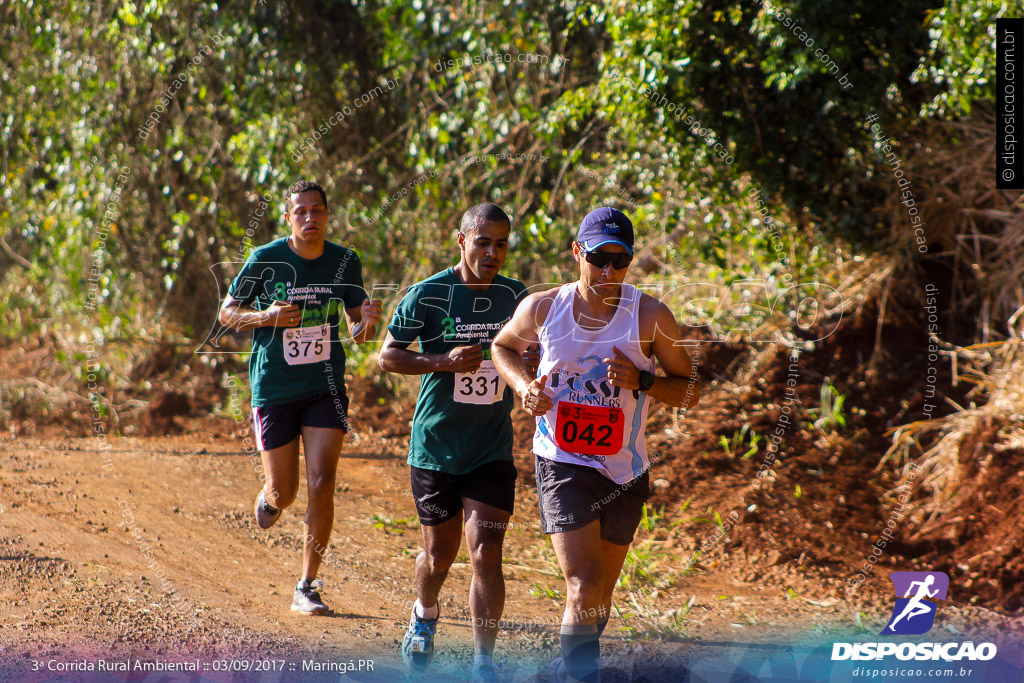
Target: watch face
(646, 380)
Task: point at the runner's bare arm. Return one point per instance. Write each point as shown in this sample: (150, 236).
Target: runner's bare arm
(397, 357)
(362, 320)
(679, 387)
(509, 347)
(512, 341)
(238, 317)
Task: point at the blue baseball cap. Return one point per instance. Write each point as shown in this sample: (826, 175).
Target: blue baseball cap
(605, 226)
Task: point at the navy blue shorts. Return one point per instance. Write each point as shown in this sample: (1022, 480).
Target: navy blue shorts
(278, 425)
(573, 496)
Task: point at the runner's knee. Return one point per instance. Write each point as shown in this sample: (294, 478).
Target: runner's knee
(584, 588)
(321, 485)
(437, 562)
(280, 497)
(485, 554)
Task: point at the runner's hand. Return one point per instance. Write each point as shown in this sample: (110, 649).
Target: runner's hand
(282, 314)
(532, 357)
(536, 400)
(622, 372)
(371, 311)
(465, 358)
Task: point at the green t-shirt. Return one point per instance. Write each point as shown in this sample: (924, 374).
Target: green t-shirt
(461, 421)
(291, 364)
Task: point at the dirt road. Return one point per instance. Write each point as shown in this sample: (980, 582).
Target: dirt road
(148, 550)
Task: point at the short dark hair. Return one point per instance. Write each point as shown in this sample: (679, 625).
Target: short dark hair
(483, 213)
(300, 187)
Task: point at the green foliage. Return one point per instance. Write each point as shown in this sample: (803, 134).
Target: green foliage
(643, 620)
(830, 415)
(758, 85)
(641, 565)
(960, 63)
(743, 438)
(712, 517)
(537, 590)
(140, 138)
(396, 525)
(650, 518)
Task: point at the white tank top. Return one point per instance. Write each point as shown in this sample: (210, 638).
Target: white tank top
(592, 423)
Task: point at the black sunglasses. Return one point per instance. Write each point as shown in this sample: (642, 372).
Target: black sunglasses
(602, 258)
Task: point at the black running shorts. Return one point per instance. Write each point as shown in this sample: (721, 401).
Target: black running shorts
(573, 496)
(439, 494)
(276, 426)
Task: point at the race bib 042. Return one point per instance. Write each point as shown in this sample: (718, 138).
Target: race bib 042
(304, 345)
(589, 430)
(482, 387)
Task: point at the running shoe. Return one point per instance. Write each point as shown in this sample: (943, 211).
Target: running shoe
(307, 598)
(418, 645)
(484, 673)
(266, 515)
(557, 673)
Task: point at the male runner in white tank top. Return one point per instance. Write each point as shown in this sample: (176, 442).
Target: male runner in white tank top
(598, 341)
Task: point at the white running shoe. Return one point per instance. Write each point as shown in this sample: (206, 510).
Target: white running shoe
(307, 598)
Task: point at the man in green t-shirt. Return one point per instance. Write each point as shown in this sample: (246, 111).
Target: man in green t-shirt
(291, 293)
(461, 447)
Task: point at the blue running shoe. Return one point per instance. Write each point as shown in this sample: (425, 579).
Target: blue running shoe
(418, 645)
(484, 673)
(557, 672)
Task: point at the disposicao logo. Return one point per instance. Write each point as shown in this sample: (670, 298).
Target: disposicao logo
(914, 613)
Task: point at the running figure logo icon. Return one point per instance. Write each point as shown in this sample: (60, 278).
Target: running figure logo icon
(914, 612)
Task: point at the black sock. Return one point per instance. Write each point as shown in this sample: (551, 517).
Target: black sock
(580, 650)
(600, 627)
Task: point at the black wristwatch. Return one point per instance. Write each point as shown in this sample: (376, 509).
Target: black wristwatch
(646, 382)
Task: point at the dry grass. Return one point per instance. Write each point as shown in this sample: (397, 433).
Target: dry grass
(996, 403)
(979, 231)
(967, 220)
